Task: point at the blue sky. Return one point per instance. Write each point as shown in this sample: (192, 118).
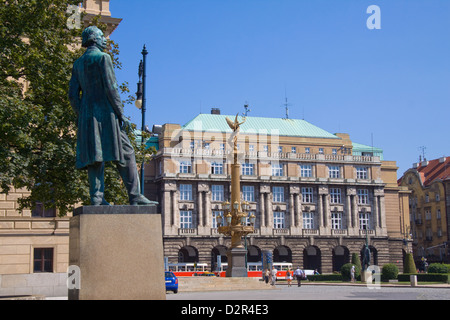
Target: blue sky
(391, 83)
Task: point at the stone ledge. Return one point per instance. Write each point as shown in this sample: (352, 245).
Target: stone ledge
(150, 209)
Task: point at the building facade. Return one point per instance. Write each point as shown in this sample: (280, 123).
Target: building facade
(34, 244)
(429, 202)
(314, 199)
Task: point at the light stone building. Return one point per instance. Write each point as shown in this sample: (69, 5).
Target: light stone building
(314, 193)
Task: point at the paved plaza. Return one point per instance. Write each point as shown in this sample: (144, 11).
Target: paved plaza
(323, 292)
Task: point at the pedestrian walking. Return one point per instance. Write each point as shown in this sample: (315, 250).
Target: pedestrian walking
(266, 276)
(299, 274)
(289, 277)
(274, 276)
(352, 273)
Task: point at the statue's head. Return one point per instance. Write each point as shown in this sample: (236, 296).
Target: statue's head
(93, 36)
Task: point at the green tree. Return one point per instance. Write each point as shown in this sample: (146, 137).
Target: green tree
(37, 124)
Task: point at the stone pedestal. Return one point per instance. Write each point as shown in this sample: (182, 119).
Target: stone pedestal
(236, 263)
(366, 277)
(118, 253)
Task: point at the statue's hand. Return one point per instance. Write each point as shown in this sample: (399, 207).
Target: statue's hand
(126, 124)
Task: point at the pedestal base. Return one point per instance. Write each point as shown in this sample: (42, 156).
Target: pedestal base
(119, 253)
(236, 263)
(366, 277)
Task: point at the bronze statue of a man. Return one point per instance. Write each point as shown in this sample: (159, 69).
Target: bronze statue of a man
(94, 96)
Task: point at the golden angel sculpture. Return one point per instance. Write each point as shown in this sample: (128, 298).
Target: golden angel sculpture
(235, 126)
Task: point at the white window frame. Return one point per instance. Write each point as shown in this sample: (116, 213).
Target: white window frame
(307, 195)
(248, 169)
(362, 173)
(334, 172)
(277, 170)
(364, 220)
(185, 192)
(217, 192)
(278, 194)
(363, 196)
(306, 170)
(215, 214)
(186, 219)
(217, 167)
(308, 220)
(248, 193)
(336, 220)
(279, 221)
(335, 195)
(185, 167)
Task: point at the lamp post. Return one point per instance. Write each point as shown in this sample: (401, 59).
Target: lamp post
(141, 103)
(235, 216)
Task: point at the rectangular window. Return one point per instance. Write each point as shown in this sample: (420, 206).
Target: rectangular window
(294, 150)
(222, 147)
(334, 171)
(336, 220)
(362, 173)
(215, 214)
(185, 167)
(320, 150)
(217, 168)
(186, 192)
(335, 195)
(248, 193)
(278, 220)
(277, 169)
(278, 194)
(43, 260)
(363, 196)
(307, 150)
(308, 220)
(247, 169)
(217, 192)
(41, 211)
(280, 149)
(185, 219)
(305, 170)
(364, 221)
(334, 151)
(307, 195)
(266, 148)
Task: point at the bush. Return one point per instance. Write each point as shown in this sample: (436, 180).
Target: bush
(426, 277)
(410, 266)
(346, 274)
(389, 272)
(439, 268)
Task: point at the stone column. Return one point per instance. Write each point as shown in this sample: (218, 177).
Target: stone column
(299, 217)
(262, 205)
(200, 208)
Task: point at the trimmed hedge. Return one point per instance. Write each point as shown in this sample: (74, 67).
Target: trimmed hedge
(410, 266)
(439, 268)
(345, 271)
(426, 277)
(325, 277)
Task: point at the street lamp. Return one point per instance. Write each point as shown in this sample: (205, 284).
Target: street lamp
(140, 103)
(236, 214)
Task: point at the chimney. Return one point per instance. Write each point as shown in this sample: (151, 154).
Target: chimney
(215, 111)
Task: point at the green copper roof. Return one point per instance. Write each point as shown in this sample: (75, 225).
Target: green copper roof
(361, 149)
(258, 125)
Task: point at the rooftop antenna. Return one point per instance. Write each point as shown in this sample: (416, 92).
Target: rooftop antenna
(286, 104)
(247, 109)
(422, 156)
